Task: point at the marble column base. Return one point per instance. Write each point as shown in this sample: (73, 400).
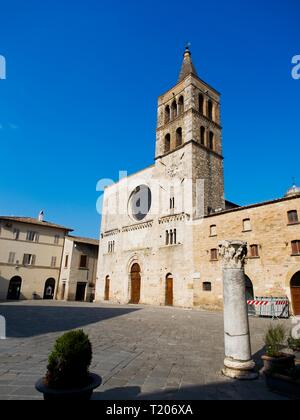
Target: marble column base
(236, 369)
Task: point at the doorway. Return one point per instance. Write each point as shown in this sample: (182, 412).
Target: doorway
(169, 290)
(14, 289)
(250, 296)
(135, 284)
(49, 289)
(107, 288)
(295, 292)
(80, 292)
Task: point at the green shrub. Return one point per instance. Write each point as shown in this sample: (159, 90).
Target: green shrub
(274, 340)
(68, 364)
(294, 343)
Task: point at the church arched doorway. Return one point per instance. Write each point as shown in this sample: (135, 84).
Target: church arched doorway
(169, 290)
(135, 284)
(14, 289)
(49, 289)
(107, 288)
(295, 292)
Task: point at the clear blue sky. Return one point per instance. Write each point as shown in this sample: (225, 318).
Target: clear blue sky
(83, 77)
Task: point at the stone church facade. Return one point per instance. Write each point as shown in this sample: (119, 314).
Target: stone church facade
(161, 227)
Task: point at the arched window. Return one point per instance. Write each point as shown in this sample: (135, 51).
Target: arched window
(167, 143)
(210, 108)
(175, 236)
(167, 114)
(107, 288)
(211, 140)
(171, 237)
(167, 237)
(172, 203)
(201, 104)
(178, 137)
(202, 136)
(174, 110)
(181, 105)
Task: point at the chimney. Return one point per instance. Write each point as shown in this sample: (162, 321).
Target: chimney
(41, 216)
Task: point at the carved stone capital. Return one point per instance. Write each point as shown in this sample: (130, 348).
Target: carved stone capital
(233, 254)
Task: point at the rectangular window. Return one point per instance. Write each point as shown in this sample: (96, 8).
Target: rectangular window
(32, 236)
(67, 261)
(11, 258)
(53, 261)
(247, 225)
(16, 234)
(29, 259)
(296, 247)
(56, 239)
(293, 217)
(214, 255)
(83, 261)
(213, 230)
(254, 251)
(207, 287)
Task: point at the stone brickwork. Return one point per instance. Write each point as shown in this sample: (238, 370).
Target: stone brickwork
(271, 272)
(187, 187)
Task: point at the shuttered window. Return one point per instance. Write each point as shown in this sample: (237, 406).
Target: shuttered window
(29, 259)
(254, 251)
(11, 258)
(293, 217)
(214, 255)
(296, 247)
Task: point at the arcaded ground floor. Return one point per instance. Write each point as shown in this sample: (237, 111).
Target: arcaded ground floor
(141, 352)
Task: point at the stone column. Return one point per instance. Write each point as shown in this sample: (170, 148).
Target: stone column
(2, 328)
(238, 362)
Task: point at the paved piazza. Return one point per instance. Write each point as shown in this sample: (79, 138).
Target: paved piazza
(141, 352)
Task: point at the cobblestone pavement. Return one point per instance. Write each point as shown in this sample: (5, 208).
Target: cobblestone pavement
(141, 352)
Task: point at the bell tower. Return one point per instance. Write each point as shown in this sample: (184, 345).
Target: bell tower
(189, 128)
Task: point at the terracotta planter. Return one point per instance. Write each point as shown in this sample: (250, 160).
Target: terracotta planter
(275, 364)
(283, 385)
(78, 394)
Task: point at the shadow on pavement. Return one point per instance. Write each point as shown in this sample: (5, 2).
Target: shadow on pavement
(28, 321)
(229, 390)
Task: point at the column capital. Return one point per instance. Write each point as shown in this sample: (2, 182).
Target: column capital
(233, 253)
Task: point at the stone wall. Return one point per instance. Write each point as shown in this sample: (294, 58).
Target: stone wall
(271, 273)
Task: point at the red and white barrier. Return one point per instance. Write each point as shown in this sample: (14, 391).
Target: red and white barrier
(266, 303)
(257, 303)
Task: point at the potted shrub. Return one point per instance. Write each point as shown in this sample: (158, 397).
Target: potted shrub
(68, 376)
(275, 359)
(281, 374)
(294, 344)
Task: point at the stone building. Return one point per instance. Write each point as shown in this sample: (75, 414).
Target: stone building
(30, 257)
(161, 226)
(79, 268)
(39, 260)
